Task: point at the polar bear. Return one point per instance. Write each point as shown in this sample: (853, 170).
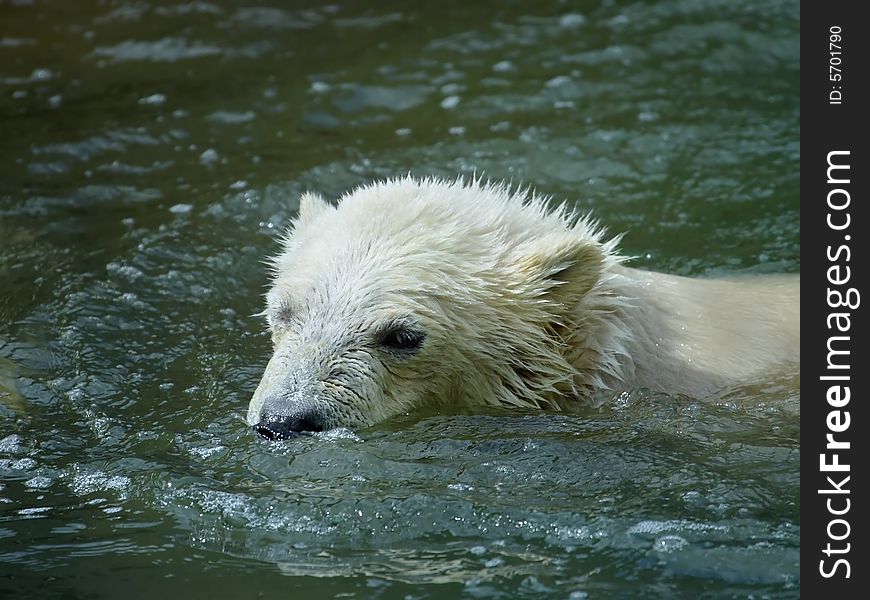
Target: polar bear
(412, 293)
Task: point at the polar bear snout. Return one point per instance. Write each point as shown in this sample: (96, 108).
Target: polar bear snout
(282, 427)
(285, 401)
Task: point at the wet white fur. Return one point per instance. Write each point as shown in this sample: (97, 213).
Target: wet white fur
(522, 304)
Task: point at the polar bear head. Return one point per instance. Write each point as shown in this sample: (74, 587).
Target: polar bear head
(411, 293)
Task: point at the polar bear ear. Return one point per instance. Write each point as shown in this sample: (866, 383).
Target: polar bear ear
(312, 205)
(560, 267)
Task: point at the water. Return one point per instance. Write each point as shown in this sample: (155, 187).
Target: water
(151, 153)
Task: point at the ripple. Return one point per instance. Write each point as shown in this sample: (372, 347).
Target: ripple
(168, 49)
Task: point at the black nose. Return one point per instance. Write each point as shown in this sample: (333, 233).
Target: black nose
(282, 427)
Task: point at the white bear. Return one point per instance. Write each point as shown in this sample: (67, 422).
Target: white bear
(412, 293)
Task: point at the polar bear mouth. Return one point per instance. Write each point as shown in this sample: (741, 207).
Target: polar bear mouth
(280, 427)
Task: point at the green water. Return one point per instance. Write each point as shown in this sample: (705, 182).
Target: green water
(150, 154)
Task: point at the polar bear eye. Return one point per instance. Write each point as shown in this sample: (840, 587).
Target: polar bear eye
(280, 316)
(403, 338)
